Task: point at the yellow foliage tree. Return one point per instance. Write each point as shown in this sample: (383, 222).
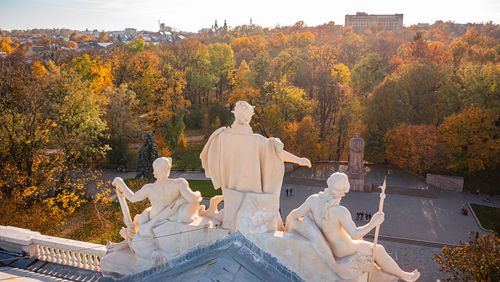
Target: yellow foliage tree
(479, 261)
(471, 140)
(6, 45)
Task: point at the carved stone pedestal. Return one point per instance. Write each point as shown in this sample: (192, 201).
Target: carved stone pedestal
(296, 253)
(171, 239)
(357, 181)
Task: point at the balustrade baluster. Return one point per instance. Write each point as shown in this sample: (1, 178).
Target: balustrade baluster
(84, 261)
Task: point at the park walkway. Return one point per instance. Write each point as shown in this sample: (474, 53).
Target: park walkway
(428, 219)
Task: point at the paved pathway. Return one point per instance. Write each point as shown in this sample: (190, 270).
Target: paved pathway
(438, 220)
(409, 257)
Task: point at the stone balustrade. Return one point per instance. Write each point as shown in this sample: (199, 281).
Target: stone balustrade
(52, 249)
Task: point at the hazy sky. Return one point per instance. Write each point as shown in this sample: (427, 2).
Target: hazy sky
(192, 15)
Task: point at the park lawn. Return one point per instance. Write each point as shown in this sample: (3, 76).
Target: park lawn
(205, 187)
(489, 217)
(188, 158)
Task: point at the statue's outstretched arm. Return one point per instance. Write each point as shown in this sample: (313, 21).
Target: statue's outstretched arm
(291, 158)
(350, 227)
(187, 193)
(129, 194)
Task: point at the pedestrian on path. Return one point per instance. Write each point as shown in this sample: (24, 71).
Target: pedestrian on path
(465, 211)
(286, 190)
(291, 191)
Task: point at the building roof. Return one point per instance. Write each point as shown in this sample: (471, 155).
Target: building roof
(232, 258)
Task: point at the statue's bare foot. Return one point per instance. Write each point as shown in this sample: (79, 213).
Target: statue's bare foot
(411, 276)
(158, 258)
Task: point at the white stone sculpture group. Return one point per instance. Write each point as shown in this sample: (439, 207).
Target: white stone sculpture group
(319, 240)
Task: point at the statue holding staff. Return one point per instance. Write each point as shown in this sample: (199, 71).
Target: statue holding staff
(322, 220)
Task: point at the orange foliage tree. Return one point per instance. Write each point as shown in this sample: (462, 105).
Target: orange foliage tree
(413, 147)
(471, 140)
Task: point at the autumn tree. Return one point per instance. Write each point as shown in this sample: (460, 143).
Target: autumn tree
(322, 60)
(283, 103)
(122, 117)
(306, 130)
(471, 140)
(352, 48)
(142, 75)
(51, 131)
(94, 70)
(247, 47)
(478, 261)
(6, 45)
(103, 37)
(420, 49)
(413, 147)
(409, 95)
(191, 56)
(242, 86)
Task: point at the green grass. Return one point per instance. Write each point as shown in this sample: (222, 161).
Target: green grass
(188, 158)
(84, 224)
(488, 216)
(204, 186)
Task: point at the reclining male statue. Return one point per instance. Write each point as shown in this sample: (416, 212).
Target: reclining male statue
(170, 199)
(333, 233)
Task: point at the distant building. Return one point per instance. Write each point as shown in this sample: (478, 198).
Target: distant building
(131, 32)
(363, 20)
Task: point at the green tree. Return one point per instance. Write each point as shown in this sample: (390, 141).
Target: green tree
(79, 117)
(123, 122)
(221, 65)
(480, 85)
(147, 154)
(137, 44)
(368, 72)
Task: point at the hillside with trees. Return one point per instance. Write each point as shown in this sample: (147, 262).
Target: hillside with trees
(426, 99)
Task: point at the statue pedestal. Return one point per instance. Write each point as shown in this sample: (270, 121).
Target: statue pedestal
(297, 253)
(357, 181)
(171, 239)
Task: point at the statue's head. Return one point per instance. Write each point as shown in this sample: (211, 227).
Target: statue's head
(161, 167)
(338, 184)
(243, 112)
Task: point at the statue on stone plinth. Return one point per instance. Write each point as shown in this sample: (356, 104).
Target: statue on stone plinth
(336, 238)
(171, 199)
(356, 154)
(355, 168)
(249, 168)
